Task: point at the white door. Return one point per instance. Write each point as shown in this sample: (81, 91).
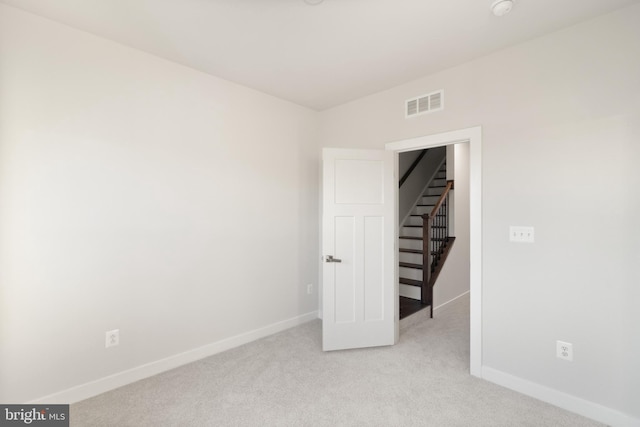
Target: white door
(359, 298)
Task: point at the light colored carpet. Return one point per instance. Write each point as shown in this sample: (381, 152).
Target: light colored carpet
(286, 380)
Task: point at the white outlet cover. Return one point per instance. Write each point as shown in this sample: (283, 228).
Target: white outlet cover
(564, 350)
(112, 338)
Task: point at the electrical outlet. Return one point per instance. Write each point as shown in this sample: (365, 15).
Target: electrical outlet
(309, 288)
(564, 350)
(112, 338)
(521, 234)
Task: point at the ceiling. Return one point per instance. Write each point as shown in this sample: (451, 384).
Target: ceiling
(317, 56)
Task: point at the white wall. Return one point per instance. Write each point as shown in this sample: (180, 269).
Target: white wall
(561, 124)
(453, 280)
(415, 184)
(405, 160)
(141, 195)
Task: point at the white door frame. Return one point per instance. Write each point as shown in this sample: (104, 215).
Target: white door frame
(474, 137)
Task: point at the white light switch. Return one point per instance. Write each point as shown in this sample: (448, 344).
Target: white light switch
(521, 234)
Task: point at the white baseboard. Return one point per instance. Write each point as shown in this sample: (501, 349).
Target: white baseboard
(416, 295)
(560, 399)
(93, 388)
(438, 307)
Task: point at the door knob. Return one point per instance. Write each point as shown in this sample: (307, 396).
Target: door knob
(330, 258)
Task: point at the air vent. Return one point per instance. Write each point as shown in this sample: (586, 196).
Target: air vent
(425, 104)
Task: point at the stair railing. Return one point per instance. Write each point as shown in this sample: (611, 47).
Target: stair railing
(435, 237)
(412, 167)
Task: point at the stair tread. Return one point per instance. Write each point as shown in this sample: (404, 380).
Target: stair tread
(411, 265)
(416, 251)
(411, 251)
(411, 282)
(434, 239)
(409, 306)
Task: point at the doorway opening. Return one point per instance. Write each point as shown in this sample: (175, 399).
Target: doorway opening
(472, 136)
(433, 209)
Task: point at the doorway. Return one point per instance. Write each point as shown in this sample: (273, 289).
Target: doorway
(472, 136)
(437, 174)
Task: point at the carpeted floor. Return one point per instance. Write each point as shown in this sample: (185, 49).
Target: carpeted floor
(286, 380)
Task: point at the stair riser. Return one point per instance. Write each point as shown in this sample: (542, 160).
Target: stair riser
(410, 291)
(437, 191)
(415, 244)
(414, 220)
(410, 244)
(429, 200)
(412, 258)
(438, 183)
(441, 175)
(421, 210)
(411, 231)
(410, 273)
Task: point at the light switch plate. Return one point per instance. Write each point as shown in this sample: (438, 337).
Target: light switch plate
(521, 234)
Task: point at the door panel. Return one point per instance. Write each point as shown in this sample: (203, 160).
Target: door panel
(354, 179)
(345, 294)
(373, 261)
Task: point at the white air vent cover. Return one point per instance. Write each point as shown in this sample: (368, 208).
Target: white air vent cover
(425, 104)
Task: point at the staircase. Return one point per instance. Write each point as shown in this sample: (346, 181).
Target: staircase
(418, 293)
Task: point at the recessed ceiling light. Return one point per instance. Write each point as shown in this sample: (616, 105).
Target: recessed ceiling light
(313, 2)
(501, 7)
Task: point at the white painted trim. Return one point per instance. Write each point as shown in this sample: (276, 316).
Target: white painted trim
(437, 140)
(102, 385)
(450, 301)
(563, 400)
(474, 137)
